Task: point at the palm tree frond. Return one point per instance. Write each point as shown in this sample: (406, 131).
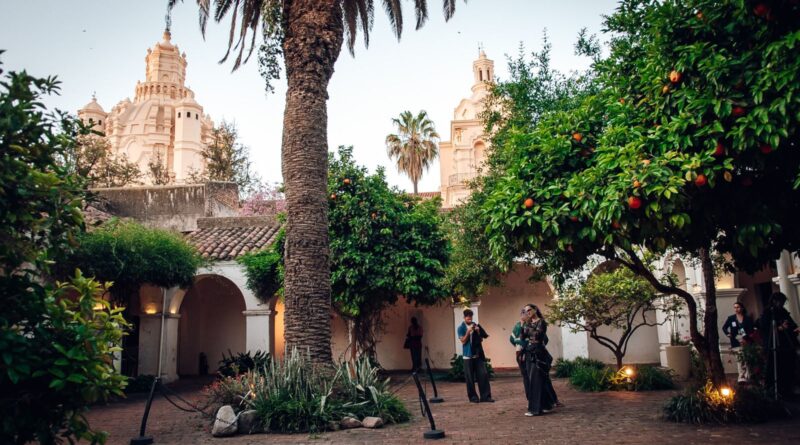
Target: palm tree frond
(395, 12)
(449, 8)
(421, 10)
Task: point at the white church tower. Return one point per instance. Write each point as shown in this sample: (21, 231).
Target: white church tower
(462, 156)
(162, 120)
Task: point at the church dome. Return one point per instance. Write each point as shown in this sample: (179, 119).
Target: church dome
(93, 106)
(189, 102)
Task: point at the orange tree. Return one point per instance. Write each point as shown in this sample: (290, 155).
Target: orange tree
(687, 143)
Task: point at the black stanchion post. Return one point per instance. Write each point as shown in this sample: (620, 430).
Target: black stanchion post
(142, 439)
(433, 433)
(435, 398)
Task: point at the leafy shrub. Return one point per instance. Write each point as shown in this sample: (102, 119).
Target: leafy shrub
(139, 384)
(367, 393)
(589, 378)
(564, 368)
(232, 391)
(130, 254)
(56, 346)
(291, 396)
(707, 405)
(264, 269)
(652, 378)
(645, 378)
(456, 372)
(242, 362)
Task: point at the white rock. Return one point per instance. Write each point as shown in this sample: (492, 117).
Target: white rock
(372, 422)
(225, 423)
(350, 422)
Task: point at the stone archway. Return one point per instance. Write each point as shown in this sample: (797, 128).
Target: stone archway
(212, 322)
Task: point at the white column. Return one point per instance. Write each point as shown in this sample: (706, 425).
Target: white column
(169, 356)
(784, 282)
(149, 334)
(259, 327)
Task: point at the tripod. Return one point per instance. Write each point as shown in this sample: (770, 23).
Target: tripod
(774, 347)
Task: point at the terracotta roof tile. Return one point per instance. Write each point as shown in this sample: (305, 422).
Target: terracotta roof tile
(428, 195)
(222, 239)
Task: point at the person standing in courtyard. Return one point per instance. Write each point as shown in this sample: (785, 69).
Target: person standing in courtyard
(519, 345)
(784, 348)
(738, 327)
(471, 336)
(414, 344)
(537, 363)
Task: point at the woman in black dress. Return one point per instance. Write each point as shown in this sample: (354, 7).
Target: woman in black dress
(537, 363)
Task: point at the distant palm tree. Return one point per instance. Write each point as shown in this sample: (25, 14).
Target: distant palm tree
(308, 35)
(414, 146)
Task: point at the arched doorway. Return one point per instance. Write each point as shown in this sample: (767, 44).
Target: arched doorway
(211, 323)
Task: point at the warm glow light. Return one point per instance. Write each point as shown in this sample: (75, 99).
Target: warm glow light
(150, 309)
(726, 392)
(629, 371)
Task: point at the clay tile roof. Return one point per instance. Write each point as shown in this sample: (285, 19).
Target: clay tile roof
(228, 238)
(428, 195)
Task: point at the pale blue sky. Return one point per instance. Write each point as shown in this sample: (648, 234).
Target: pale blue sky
(100, 45)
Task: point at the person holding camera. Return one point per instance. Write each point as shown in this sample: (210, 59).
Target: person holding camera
(471, 336)
(780, 343)
(537, 363)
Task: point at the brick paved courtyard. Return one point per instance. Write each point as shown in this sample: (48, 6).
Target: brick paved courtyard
(586, 418)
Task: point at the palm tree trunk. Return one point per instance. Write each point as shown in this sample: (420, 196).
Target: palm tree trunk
(314, 35)
(415, 188)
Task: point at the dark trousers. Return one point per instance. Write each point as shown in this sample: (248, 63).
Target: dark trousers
(786, 359)
(475, 370)
(522, 370)
(416, 359)
(548, 386)
(539, 398)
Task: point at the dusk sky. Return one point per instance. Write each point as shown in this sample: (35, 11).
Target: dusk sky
(100, 46)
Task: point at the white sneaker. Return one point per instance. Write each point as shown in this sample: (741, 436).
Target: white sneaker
(545, 411)
(528, 414)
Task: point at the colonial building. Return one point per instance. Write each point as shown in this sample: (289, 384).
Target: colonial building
(163, 123)
(462, 156)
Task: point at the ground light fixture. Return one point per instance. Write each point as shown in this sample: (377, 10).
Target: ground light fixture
(629, 373)
(726, 392)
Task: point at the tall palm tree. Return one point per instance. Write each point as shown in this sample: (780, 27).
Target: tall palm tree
(309, 35)
(414, 146)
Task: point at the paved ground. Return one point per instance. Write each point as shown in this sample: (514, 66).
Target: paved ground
(586, 418)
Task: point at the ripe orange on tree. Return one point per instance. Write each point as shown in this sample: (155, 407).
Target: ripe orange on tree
(700, 180)
(529, 203)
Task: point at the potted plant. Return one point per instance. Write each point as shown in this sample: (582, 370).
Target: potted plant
(679, 353)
